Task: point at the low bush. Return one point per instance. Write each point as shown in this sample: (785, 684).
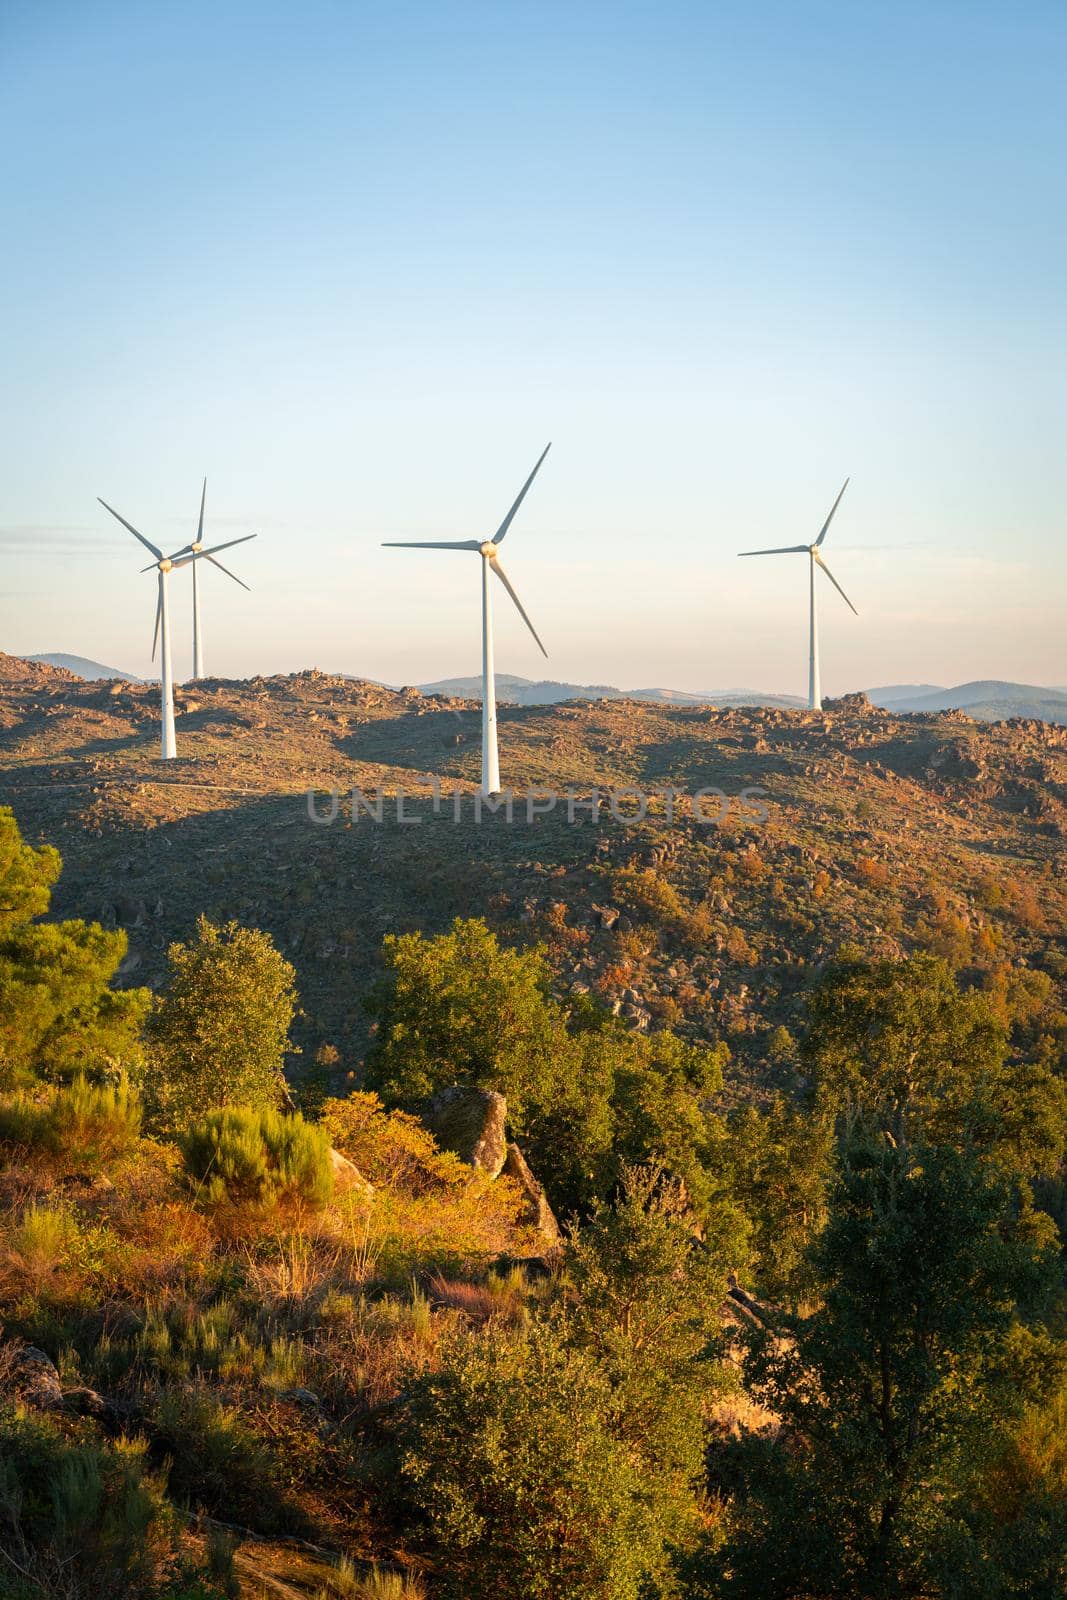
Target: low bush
(218, 1461)
(40, 1245)
(391, 1148)
(79, 1517)
(243, 1156)
(508, 1457)
(81, 1125)
(377, 1583)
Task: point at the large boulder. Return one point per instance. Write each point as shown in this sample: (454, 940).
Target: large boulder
(536, 1213)
(36, 1379)
(36, 1382)
(347, 1176)
(470, 1122)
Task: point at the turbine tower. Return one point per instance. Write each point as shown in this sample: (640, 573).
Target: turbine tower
(812, 551)
(163, 566)
(488, 550)
(197, 548)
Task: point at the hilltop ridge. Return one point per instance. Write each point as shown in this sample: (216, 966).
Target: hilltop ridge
(897, 832)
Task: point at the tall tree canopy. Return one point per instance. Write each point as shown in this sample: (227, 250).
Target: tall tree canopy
(900, 1042)
(890, 1387)
(220, 1033)
(59, 1014)
(585, 1094)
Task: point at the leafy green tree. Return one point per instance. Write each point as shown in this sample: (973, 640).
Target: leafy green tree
(892, 1384)
(661, 1087)
(220, 1033)
(26, 875)
(899, 1040)
(642, 1297)
(585, 1094)
(461, 1008)
(508, 1456)
(1008, 1538)
(59, 1015)
(775, 1163)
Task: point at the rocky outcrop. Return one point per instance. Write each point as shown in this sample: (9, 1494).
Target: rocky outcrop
(36, 1382)
(537, 1213)
(470, 1122)
(347, 1177)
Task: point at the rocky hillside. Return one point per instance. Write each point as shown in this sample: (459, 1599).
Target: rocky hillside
(889, 831)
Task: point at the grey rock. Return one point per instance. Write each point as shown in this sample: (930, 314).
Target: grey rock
(470, 1122)
(37, 1378)
(301, 1397)
(537, 1213)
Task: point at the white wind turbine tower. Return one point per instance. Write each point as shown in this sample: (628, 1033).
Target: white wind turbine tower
(197, 549)
(812, 551)
(164, 565)
(488, 550)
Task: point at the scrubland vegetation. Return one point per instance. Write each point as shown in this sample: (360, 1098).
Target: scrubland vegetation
(809, 1342)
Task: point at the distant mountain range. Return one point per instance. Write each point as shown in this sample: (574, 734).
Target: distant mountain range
(83, 666)
(528, 692)
(987, 699)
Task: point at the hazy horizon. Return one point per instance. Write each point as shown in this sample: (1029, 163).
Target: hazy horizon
(358, 267)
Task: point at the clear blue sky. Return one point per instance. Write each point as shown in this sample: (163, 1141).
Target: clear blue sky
(358, 263)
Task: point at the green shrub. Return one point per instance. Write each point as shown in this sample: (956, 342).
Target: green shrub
(95, 1122)
(508, 1455)
(78, 1517)
(22, 1121)
(42, 1242)
(84, 1124)
(218, 1461)
(245, 1156)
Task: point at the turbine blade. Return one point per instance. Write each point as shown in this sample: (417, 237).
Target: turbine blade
(833, 508)
(505, 580)
(781, 550)
(146, 542)
(159, 618)
(199, 555)
(820, 562)
(431, 544)
(506, 524)
(200, 525)
(228, 573)
(228, 545)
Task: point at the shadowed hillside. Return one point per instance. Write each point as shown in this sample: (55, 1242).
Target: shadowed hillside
(893, 832)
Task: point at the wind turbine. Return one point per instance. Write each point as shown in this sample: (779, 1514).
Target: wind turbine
(812, 551)
(197, 549)
(164, 565)
(488, 550)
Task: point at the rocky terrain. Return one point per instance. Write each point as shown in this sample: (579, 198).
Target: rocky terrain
(886, 830)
